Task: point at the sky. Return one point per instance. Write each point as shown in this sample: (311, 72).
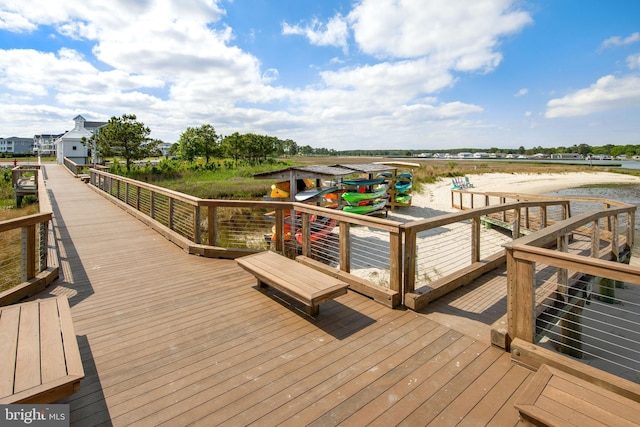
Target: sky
(338, 74)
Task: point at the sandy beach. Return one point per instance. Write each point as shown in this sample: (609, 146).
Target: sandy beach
(437, 196)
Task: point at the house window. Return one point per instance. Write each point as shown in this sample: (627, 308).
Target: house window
(74, 148)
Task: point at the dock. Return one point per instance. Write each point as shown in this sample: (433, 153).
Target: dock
(171, 338)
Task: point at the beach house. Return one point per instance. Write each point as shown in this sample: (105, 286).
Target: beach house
(70, 144)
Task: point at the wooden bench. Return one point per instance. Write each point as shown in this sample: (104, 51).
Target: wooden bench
(84, 177)
(300, 282)
(557, 398)
(39, 356)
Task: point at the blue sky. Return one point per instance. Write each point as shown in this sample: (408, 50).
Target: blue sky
(401, 74)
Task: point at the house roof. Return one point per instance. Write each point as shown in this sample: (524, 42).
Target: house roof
(315, 171)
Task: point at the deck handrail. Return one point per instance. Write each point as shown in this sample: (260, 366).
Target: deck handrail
(195, 225)
(550, 291)
(35, 246)
(470, 263)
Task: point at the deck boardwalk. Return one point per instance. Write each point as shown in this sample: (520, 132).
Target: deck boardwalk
(168, 338)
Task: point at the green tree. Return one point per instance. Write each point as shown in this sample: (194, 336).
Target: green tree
(200, 141)
(124, 137)
(232, 147)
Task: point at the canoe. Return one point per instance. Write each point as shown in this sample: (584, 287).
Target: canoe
(280, 190)
(404, 176)
(312, 193)
(403, 198)
(377, 205)
(320, 228)
(363, 181)
(353, 197)
(403, 186)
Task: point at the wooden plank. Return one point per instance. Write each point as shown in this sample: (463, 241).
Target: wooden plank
(52, 360)
(27, 373)
(69, 340)
(557, 397)
(9, 323)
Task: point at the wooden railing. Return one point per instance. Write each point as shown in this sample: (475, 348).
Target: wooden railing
(473, 253)
(232, 228)
(388, 266)
(30, 239)
(523, 253)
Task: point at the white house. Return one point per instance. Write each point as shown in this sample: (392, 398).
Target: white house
(70, 144)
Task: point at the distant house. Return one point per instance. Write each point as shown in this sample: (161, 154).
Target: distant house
(567, 156)
(16, 145)
(70, 143)
(480, 155)
(45, 144)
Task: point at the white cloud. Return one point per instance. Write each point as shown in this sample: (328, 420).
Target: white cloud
(465, 35)
(333, 33)
(521, 92)
(621, 41)
(607, 93)
(633, 61)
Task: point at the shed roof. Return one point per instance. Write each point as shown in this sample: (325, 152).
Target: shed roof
(315, 171)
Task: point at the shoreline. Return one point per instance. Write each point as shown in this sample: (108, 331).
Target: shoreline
(435, 199)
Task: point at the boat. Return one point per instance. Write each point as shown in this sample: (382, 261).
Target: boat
(320, 227)
(403, 186)
(281, 190)
(353, 197)
(404, 176)
(403, 198)
(376, 205)
(363, 181)
(314, 192)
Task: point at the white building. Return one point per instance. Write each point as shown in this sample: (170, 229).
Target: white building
(70, 144)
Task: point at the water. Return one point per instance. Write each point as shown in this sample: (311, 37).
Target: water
(624, 193)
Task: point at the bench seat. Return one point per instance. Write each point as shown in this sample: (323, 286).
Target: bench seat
(300, 282)
(557, 398)
(39, 356)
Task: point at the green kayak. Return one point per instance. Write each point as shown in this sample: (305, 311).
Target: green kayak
(377, 205)
(352, 197)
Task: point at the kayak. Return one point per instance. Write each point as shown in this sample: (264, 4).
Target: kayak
(320, 228)
(313, 193)
(280, 190)
(363, 181)
(377, 205)
(353, 197)
(403, 198)
(403, 186)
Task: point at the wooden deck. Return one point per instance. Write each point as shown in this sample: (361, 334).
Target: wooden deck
(175, 339)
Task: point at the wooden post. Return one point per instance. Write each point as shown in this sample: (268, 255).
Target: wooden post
(152, 202)
(543, 217)
(306, 234)
(395, 261)
(137, 197)
(279, 233)
(196, 224)
(410, 251)
(515, 234)
(520, 299)
(615, 246)
(571, 330)
(631, 220)
(595, 239)
(345, 246)
(212, 216)
(28, 252)
(126, 193)
(475, 239)
(562, 273)
(44, 245)
(170, 213)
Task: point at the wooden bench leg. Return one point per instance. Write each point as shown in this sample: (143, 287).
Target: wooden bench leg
(313, 310)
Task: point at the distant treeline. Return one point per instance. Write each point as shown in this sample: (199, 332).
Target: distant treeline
(584, 149)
